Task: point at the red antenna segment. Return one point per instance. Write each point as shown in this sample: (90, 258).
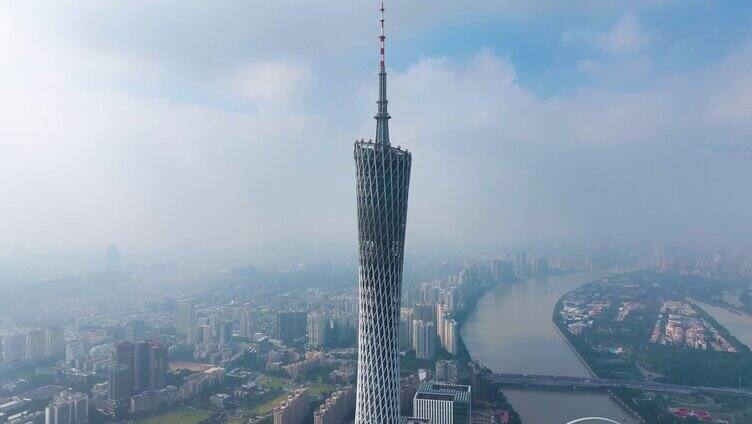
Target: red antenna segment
(382, 37)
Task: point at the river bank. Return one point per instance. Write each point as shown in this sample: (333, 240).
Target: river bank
(509, 330)
(463, 354)
(615, 328)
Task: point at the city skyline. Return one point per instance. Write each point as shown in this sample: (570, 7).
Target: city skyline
(178, 242)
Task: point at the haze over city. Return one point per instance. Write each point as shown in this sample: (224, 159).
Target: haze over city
(221, 133)
(375, 212)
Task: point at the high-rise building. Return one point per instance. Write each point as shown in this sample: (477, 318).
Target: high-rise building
(125, 355)
(427, 294)
(75, 354)
(407, 316)
(214, 323)
(185, 317)
(318, 323)
(521, 265)
(453, 299)
(383, 179)
(207, 334)
(120, 381)
(451, 336)
(424, 339)
(54, 342)
(225, 332)
(293, 409)
(196, 335)
(496, 269)
(247, 324)
(291, 325)
(443, 403)
(441, 318)
(425, 312)
(14, 347)
(141, 366)
(157, 365)
(35, 345)
(68, 408)
(344, 327)
(336, 409)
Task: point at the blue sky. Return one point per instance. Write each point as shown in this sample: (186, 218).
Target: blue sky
(225, 127)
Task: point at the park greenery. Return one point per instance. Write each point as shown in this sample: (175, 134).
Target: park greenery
(621, 348)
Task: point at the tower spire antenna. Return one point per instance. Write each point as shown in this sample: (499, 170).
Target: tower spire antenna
(382, 117)
(382, 38)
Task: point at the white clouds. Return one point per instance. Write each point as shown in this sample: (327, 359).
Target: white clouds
(493, 158)
(628, 35)
(730, 101)
(272, 82)
(249, 156)
(620, 54)
(88, 160)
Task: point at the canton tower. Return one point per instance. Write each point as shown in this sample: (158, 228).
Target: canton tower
(382, 181)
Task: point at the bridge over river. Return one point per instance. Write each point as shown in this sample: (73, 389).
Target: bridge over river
(528, 380)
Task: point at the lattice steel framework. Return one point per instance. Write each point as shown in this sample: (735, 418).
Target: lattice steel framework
(383, 179)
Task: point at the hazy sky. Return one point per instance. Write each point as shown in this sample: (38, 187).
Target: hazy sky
(227, 126)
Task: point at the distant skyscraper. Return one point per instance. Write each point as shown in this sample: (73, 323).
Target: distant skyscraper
(68, 408)
(451, 336)
(318, 323)
(496, 269)
(14, 347)
(207, 334)
(225, 333)
(424, 339)
(112, 259)
(425, 312)
(521, 265)
(157, 365)
(247, 323)
(407, 316)
(125, 355)
(291, 325)
(185, 317)
(75, 354)
(441, 318)
(120, 380)
(55, 342)
(35, 345)
(383, 178)
(196, 335)
(141, 366)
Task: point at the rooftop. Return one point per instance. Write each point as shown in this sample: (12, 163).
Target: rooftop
(439, 391)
